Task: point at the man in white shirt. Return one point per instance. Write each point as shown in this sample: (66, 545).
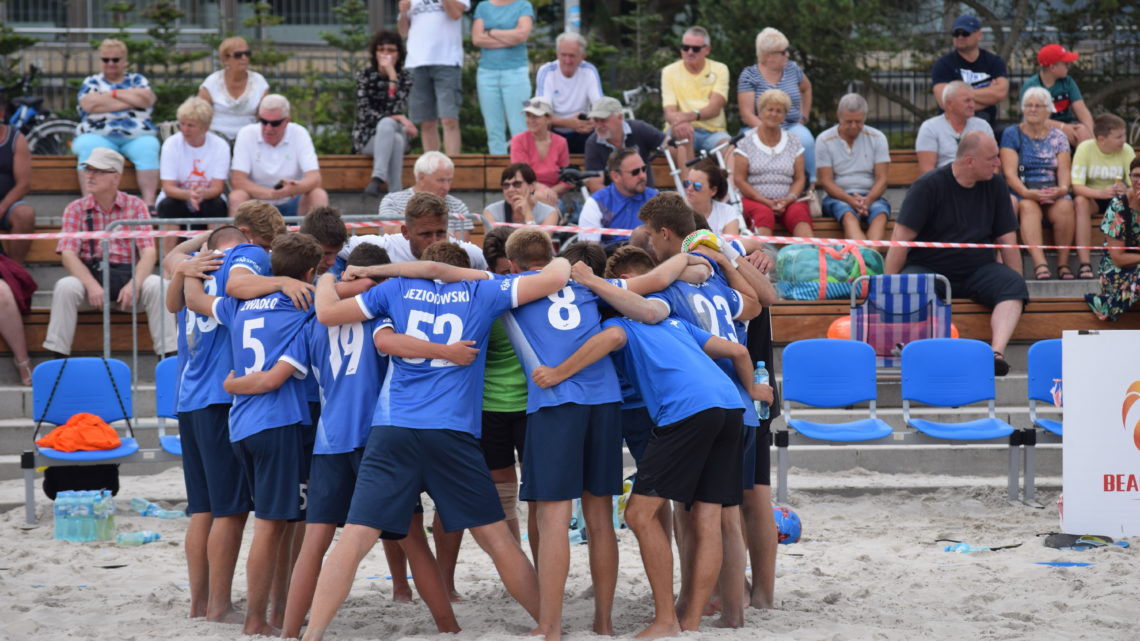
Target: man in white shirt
(275, 161)
(571, 84)
(433, 31)
(434, 174)
(424, 223)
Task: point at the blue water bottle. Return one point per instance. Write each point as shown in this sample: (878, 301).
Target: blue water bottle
(761, 376)
(137, 538)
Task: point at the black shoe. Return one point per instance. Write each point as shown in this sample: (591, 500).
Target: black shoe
(376, 188)
(1001, 367)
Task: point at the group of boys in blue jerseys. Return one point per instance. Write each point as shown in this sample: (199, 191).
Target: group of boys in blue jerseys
(397, 351)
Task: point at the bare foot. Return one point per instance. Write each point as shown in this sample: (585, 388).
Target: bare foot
(230, 615)
(726, 621)
(545, 633)
(604, 628)
(712, 607)
(659, 631)
(260, 627)
(760, 602)
(402, 595)
(454, 596)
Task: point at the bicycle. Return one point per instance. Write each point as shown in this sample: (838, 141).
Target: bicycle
(573, 201)
(48, 134)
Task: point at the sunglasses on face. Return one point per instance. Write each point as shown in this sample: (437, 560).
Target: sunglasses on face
(241, 54)
(635, 172)
(783, 52)
(108, 61)
(692, 48)
(271, 123)
(1135, 178)
(517, 184)
(697, 187)
(961, 34)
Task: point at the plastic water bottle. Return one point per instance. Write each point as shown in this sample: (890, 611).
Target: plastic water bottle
(965, 548)
(144, 507)
(137, 538)
(761, 376)
(169, 514)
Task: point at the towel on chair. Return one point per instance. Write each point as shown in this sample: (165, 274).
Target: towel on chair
(84, 432)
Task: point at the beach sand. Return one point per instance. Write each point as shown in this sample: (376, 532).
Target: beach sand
(868, 567)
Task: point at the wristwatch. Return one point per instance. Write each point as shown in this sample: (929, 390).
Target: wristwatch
(697, 113)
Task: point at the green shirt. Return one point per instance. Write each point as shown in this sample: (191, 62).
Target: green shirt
(504, 384)
(1064, 93)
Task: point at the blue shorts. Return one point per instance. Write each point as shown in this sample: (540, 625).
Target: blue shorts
(214, 479)
(636, 426)
(705, 140)
(571, 449)
(289, 207)
(142, 151)
(401, 462)
(749, 461)
(837, 208)
(5, 220)
(271, 460)
(332, 479)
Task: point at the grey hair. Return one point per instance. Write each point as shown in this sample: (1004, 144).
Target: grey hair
(699, 31)
(573, 37)
(952, 88)
(1040, 93)
(770, 40)
(852, 103)
(431, 162)
(275, 102)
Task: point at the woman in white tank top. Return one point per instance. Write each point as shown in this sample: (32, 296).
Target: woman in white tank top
(235, 91)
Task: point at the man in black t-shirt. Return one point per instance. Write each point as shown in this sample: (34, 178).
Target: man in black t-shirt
(965, 202)
(983, 70)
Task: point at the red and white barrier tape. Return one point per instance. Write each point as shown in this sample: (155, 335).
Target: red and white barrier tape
(777, 240)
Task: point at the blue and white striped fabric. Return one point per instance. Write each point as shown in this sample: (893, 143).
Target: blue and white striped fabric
(899, 308)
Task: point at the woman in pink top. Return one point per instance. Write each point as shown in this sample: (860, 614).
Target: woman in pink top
(545, 151)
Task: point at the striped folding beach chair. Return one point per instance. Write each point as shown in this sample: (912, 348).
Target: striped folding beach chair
(898, 309)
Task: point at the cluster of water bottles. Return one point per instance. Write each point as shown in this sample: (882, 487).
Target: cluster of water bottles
(84, 515)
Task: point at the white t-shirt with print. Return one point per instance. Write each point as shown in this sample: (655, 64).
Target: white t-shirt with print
(433, 37)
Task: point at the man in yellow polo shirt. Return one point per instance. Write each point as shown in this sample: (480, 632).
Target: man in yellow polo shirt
(694, 91)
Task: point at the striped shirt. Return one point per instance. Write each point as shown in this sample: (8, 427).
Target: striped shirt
(752, 80)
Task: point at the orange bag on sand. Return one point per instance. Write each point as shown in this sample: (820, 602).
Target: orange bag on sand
(82, 432)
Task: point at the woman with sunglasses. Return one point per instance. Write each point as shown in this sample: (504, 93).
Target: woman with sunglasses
(774, 69)
(519, 204)
(705, 190)
(546, 152)
(381, 129)
(234, 91)
(114, 112)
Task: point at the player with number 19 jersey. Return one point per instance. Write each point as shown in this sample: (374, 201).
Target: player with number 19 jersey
(260, 330)
(204, 356)
(436, 393)
(344, 361)
(546, 332)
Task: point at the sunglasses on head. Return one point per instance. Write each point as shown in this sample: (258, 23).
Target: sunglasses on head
(961, 34)
(697, 186)
(692, 48)
(241, 54)
(517, 183)
(111, 60)
(271, 123)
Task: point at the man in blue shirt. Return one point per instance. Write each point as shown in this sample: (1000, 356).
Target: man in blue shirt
(265, 430)
(573, 443)
(425, 431)
(694, 454)
(616, 205)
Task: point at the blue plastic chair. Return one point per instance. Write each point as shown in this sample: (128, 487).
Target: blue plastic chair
(84, 386)
(953, 372)
(166, 402)
(1044, 375)
(824, 372)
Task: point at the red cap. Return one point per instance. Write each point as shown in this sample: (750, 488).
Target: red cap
(1050, 55)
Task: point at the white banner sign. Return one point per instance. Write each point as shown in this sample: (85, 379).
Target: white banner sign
(1101, 452)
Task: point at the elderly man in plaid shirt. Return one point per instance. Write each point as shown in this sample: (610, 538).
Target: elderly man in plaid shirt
(129, 284)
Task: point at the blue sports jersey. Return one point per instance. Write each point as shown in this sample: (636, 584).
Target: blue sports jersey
(260, 330)
(204, 356)
(712, 306)
(435, 393)
(344, 362)
(546, 332)
(667, 364)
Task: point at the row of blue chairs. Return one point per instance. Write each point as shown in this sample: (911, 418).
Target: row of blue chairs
(64, 387)
(937, 372)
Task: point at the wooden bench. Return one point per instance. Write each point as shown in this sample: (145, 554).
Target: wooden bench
(1043, 318)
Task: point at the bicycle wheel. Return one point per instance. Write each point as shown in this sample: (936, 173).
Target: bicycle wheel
(52, 138)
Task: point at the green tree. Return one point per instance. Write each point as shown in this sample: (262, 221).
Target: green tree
(263, 18)
(168, 65)
(11, 43)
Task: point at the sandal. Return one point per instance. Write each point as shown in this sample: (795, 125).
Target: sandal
(1085, 272)
(1001, 367)
(24, 369)
(1041, 272)
(1064, 273)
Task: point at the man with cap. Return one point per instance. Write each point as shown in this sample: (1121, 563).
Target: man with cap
(129, 284)
(613, 132)
(571, 84)
(983, 70)
(1072, 116)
